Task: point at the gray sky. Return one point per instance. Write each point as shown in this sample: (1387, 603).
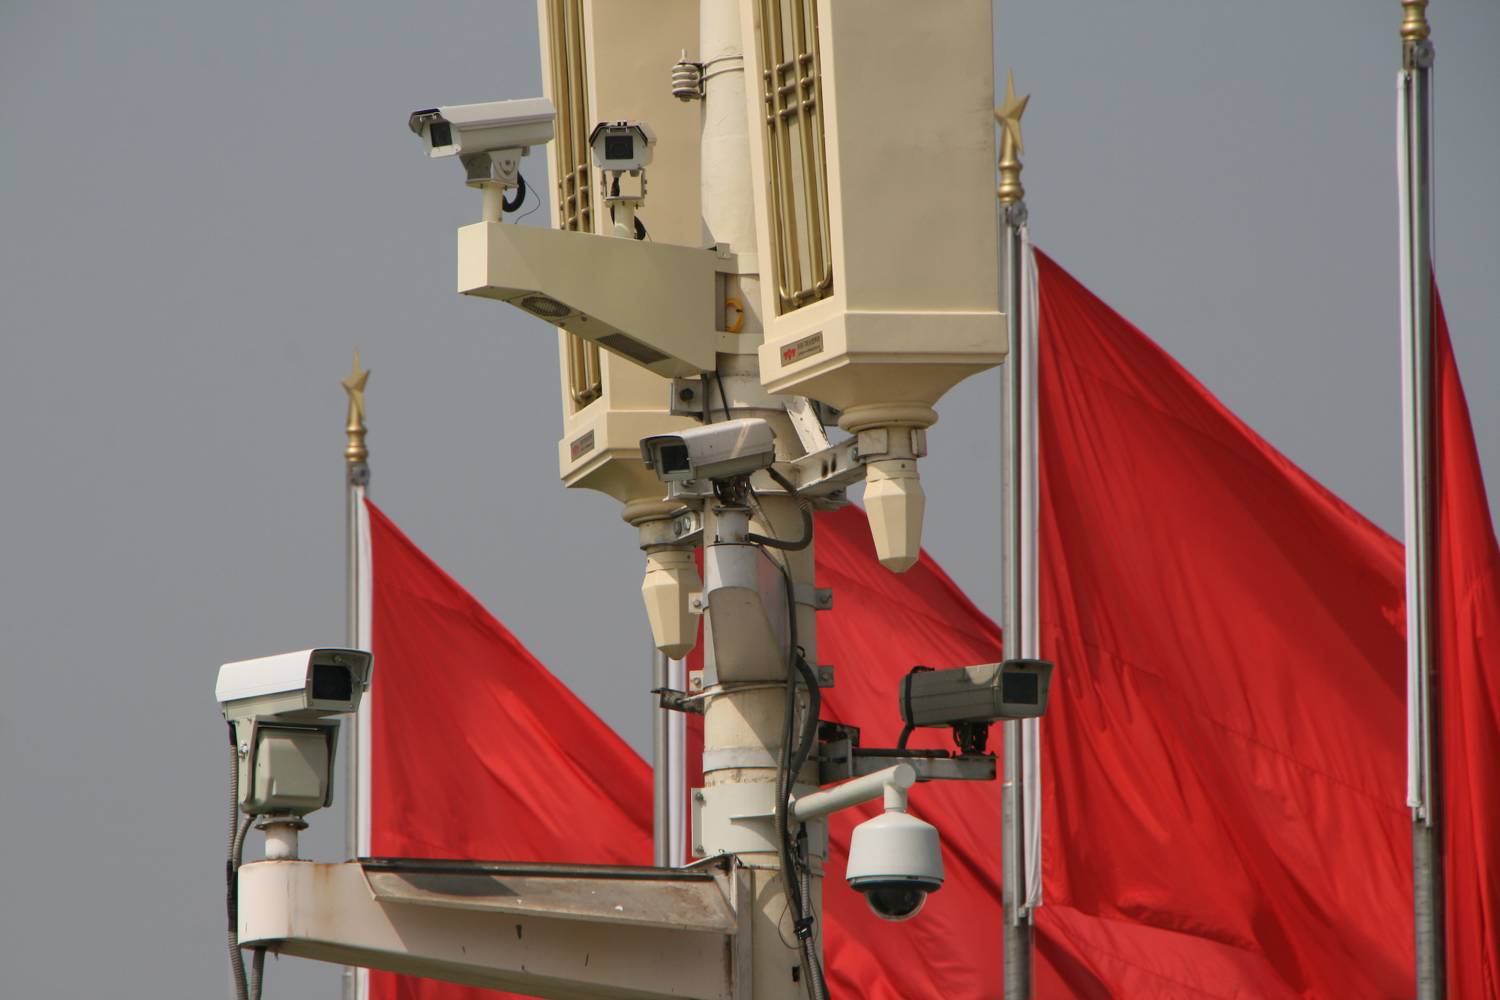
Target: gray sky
(204, 206)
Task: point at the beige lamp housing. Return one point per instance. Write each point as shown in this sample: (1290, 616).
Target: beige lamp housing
(876, 301)
(606, 61)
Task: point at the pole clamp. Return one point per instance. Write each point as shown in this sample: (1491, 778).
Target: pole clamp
(1419, 54)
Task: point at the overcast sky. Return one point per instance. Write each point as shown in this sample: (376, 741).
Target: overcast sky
(204, 206)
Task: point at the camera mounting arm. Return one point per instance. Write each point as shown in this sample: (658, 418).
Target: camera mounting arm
(890, 783)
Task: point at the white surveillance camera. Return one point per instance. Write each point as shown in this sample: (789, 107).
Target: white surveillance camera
(895, 860)
(489, 139)
(279, 707)
(294, 687)
(622, 147)
(469, 129)
(717, 451)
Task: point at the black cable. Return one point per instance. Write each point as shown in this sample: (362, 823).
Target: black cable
(906, 712)
(531, 192)
(723, 399)
(511, 206)
(810, 722)
(784, 774)
(807, 518)
(817, 989)
(237, 832)
(791, 765)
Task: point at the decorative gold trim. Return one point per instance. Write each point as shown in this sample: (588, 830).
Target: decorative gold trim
(565, 24)
(1008, 114)
(355, 451)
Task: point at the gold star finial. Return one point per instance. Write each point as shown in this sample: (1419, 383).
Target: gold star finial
(1008, 114)
(355, 451)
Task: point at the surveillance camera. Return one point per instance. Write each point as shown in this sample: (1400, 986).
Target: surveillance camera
(622, 146)
(717, 451)
(1015, 689)
(279, 707)
(895, 860)
(493, 126)
(294, 687)
(489, 139)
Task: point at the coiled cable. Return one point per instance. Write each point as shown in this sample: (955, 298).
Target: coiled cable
(237, 831)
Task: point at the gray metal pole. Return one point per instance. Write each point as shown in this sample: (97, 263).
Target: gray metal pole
(356, 477)
(661, 767)
(1422, 687)
(1020, 483)
(1018, 930)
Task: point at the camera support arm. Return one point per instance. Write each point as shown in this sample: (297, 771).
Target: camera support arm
(890, 783)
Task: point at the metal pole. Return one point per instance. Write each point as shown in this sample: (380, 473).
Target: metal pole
(744, 719)
(1423, 788)
(677, 803)
(356, 477)
(1020, 582)
(661, 770)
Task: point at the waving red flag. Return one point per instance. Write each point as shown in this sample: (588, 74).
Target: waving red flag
(1223, 760)
(478, 751)
(1468, 658)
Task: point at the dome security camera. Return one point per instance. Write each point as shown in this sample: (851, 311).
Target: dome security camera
(895, 860)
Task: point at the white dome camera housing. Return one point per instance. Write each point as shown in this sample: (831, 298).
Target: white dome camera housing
(895, 860)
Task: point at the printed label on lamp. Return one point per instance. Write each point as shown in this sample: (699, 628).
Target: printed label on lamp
(804, 348)
(582, 445)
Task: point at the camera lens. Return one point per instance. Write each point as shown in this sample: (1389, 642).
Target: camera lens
(896, 901)
(1020, 689)
(674, 458)
(331, 683)
(619, 147)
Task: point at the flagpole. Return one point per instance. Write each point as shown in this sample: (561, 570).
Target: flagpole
(356, 478)
(1020, 541)
(661, 771)
(677, 802)
(1415, 173)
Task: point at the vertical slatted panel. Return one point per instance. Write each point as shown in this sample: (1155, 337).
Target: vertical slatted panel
(574, 187)
(796, 156)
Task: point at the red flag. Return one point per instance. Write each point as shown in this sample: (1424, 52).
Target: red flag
(1223, 766)
(477, 751)
(1468, 658)
(1224, 757)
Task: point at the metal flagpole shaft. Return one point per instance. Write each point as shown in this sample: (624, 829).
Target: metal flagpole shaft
(677, 803)
(356, 477)
(661, 770)
(1423, 791)
(1020, 479)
